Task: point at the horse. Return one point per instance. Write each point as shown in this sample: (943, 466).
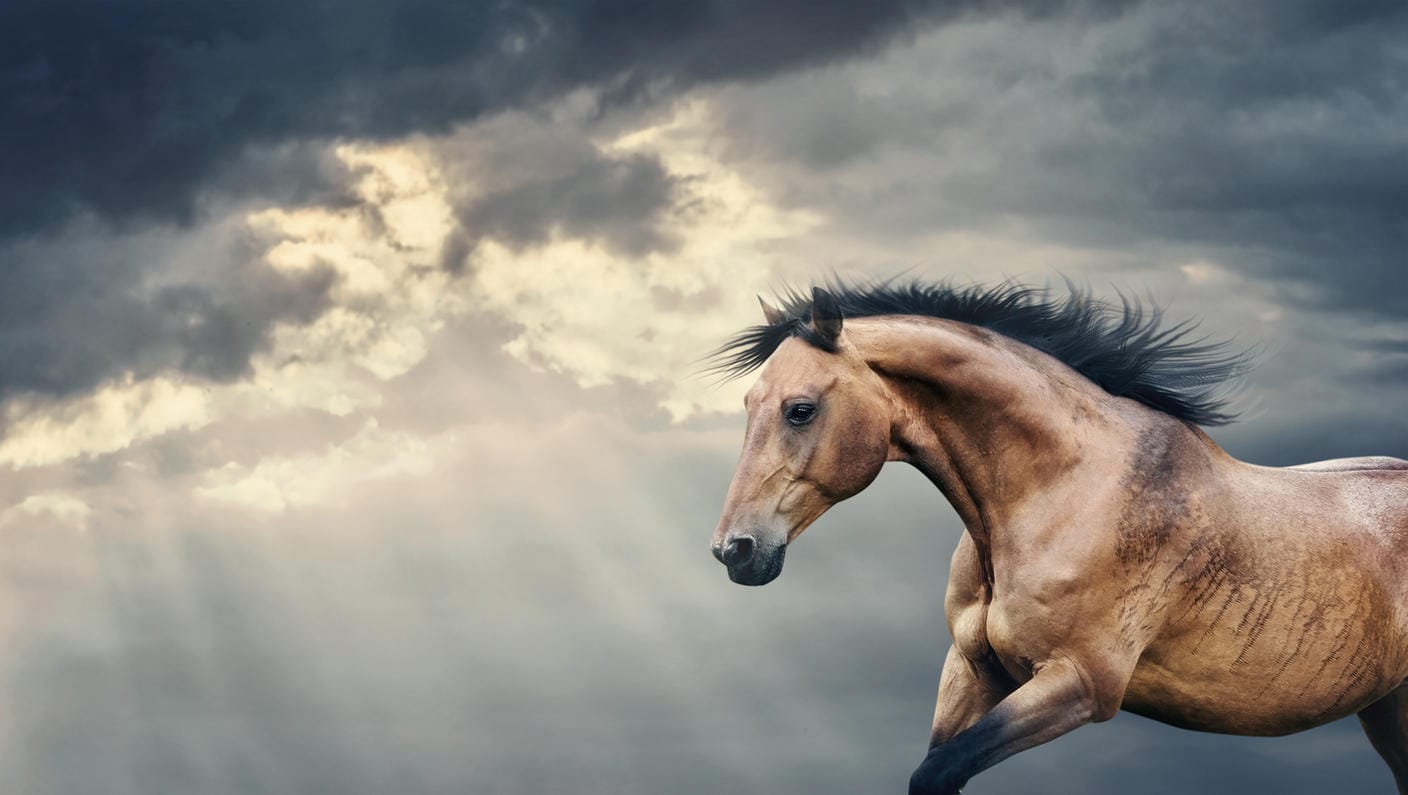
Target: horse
(1113, 555)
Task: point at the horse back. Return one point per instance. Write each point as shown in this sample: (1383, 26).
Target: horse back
(1360, 464)
(1370, 494)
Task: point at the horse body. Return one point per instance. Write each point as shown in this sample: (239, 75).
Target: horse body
(1261, 602)
(1285, 607)
(1114, 556)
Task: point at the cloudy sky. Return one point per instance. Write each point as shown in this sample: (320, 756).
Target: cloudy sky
(351, 436)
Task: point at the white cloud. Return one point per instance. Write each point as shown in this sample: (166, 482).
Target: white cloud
(390, 298)
(372, 454)
(579, 308)
(597, 316)
(56, 506)
(104, 421)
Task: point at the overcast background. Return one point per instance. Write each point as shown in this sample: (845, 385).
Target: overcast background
(350, 440)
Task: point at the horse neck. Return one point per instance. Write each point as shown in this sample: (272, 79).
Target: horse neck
(993, 423)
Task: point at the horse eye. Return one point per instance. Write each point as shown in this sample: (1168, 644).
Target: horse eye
(800, 413)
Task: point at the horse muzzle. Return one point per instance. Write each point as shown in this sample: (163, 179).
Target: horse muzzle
(750, 562)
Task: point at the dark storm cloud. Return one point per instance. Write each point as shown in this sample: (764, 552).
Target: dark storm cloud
(520, 179)
(72, 315)
(584, 202)
(1268, 134)
(1276, 129)
(128, 110)
(122, 115)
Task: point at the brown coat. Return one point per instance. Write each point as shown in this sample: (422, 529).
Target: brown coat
(1114, 556)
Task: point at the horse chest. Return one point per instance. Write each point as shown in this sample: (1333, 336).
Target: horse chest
(989, 634)
(1009, 633)
(968, 625)
(1009, 624)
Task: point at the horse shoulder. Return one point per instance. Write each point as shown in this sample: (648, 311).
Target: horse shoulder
(1111, 568)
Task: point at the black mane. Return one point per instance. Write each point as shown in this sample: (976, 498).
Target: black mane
(1121, 348)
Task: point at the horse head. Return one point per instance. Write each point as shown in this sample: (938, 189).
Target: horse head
(818, 432)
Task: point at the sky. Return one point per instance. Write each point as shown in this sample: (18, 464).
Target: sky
(352, 435)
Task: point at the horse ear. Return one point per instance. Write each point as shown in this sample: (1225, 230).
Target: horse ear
(826, 314)
(771, 313)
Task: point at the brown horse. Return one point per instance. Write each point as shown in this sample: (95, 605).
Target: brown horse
(1115, 557)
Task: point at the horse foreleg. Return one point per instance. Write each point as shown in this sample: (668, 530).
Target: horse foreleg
(967, 692)
(1386, 723)
(1057, 699)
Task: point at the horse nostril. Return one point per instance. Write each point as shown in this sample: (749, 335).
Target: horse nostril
(737, 551)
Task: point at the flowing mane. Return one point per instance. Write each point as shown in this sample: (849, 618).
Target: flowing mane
(1119, 347)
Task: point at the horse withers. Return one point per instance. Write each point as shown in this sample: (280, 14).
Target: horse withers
(1114, 556)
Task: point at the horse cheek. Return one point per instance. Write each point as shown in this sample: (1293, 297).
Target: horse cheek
(862, 452)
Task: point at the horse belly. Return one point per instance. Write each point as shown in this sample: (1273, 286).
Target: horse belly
(1274, 664)
(1210, 705)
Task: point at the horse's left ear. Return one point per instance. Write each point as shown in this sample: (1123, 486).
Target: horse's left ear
(771, 314)
(826, 314)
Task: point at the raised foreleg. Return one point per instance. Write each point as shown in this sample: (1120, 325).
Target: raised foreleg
(1059, 697)
(967, 692)
(1386, 723)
